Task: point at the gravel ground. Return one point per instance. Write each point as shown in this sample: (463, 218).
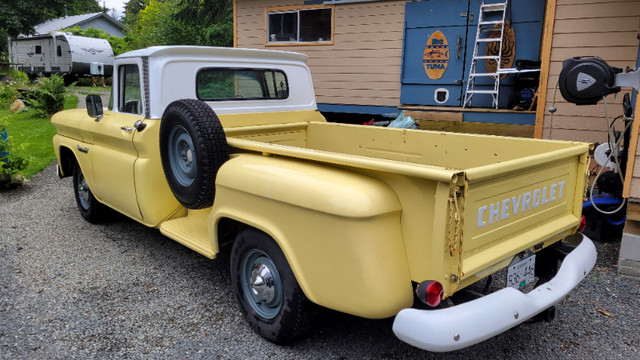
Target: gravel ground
(69, 289)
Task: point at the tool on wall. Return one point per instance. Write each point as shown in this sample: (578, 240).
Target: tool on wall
(585, 81)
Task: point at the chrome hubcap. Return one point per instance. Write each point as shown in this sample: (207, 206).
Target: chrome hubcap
(262, 283)
(83, 192)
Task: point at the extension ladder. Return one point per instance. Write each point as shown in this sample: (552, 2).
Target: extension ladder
(490, 18)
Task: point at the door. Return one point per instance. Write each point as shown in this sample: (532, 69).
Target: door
(111, 151)
(422, 51)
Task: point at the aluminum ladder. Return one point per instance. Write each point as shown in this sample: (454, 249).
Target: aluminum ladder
(490, 15)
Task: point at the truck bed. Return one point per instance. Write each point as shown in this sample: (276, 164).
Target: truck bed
(502, 195)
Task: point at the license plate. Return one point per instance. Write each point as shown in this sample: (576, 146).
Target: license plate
(522, 273)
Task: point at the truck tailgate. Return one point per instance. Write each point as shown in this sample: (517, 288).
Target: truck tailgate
(507, 210)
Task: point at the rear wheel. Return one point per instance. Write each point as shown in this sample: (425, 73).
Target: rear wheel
(269, 295)
(90, 209)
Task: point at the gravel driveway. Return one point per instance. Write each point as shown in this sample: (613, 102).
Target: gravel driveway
(69, 289)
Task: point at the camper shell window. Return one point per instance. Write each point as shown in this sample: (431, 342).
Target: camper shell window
(306, 25)
(216, 84)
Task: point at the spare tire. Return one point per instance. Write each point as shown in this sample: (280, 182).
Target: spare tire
(193, 146)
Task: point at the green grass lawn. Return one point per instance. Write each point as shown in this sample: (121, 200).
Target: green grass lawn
(33, 135)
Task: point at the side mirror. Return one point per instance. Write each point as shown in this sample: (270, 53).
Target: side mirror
(94, 106)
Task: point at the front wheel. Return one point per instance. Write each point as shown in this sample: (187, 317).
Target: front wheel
(90, 209)
(269, 295)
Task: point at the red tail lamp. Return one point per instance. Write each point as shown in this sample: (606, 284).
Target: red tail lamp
(583, 223)
(430, 292)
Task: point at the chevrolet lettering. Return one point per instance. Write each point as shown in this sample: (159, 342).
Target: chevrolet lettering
(501, 210)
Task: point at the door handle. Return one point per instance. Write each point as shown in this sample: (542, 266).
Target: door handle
(459, 47)
(127, 128)
(82, 149)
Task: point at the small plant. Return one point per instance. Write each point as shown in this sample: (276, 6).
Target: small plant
(8, 94)
(48, 95)
(10, 164)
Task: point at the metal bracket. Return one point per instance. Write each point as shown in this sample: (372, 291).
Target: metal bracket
(630, 79)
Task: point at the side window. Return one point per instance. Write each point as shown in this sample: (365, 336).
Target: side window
(59, 50)
(241, 84)
(38, 49)
(130, 100)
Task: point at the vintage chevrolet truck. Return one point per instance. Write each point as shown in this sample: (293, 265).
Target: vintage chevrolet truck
(220, 146)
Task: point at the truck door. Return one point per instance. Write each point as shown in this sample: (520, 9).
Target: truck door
(112, 151)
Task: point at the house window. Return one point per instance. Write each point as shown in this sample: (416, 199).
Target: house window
(307, 25)
(241, 84)
(38, 49)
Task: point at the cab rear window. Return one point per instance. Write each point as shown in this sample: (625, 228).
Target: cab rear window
(241, 84)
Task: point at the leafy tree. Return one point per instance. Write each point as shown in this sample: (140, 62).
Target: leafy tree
(132, 10)
(119, 45)
(215, 17)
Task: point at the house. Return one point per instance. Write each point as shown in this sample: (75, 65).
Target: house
(99, 20)
(380, 57)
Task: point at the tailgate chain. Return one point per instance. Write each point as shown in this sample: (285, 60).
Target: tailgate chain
(455, 237)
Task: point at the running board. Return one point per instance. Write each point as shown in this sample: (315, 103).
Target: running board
(192, 231)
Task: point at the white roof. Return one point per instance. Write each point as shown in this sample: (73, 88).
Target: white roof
(71, 21)
(217, 52)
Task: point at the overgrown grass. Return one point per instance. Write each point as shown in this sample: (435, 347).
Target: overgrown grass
(36, 134)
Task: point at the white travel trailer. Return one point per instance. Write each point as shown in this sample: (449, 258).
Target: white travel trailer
(60, 53)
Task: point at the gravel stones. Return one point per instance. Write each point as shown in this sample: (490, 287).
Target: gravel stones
(120, 290)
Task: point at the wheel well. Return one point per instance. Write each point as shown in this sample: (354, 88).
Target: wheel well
(228, 229)
(67, 160)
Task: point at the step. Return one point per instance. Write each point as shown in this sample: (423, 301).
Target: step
(483, 75)
(191, 231)
(492, 92)
(494, 57)
(493, 7)
(491, 22)
(495, 39)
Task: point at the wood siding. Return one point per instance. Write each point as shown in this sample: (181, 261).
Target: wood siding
(603, 28)
(363, 65)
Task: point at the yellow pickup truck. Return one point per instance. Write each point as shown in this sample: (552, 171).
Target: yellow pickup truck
(219, 146)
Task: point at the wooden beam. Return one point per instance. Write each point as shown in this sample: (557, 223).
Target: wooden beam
(235, 23)
(545, 56)
(632, 150)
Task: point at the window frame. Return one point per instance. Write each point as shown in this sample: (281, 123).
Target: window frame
(297, 10)
(122, 85)
(238, 69)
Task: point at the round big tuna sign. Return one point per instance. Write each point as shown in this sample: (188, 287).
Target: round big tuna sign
(436, 55)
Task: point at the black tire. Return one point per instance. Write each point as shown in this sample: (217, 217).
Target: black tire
(90, 208)
(193, 146)
(273, 303)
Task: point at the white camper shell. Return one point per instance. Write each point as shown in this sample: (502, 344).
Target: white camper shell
(60, 53)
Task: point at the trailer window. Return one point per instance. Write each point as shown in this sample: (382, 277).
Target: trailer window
(38, 49)
(241, 84)
(130, 92)
(59, 50)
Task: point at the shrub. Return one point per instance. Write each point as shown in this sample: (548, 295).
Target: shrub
(10, 163)
(8, 94)
(48, 95)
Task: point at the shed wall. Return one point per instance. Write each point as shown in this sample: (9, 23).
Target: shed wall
(603, 28)
(363, 65)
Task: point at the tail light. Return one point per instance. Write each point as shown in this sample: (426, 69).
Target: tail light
(430, 292)
(583, 223)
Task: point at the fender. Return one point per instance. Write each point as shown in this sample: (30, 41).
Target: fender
(339, 230)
